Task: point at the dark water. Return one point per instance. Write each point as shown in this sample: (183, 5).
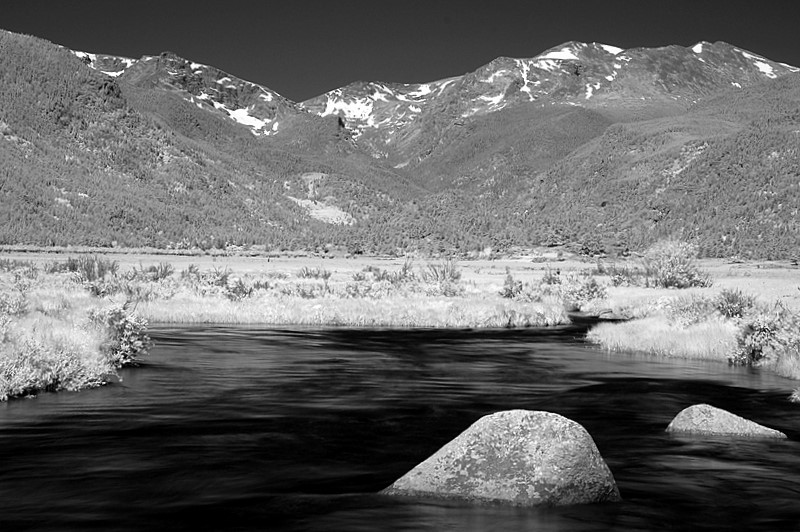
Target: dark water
(243, 429)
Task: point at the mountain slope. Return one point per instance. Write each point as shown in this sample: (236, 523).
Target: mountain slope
(131, 159)
(726, 175)
(583, 145)
(403, 123)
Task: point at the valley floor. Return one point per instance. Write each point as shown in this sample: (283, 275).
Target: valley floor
(768, 280)
(40, 288)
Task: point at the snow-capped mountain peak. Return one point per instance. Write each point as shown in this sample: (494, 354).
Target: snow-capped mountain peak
(254, 106)
(372, 105)
(110, 65)
(593, 75)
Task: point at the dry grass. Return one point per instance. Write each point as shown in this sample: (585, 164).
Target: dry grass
(656, 335)
(389, 311)
(50, 342)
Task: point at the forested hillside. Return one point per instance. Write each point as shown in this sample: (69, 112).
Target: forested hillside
(88, 159)
(726, 175)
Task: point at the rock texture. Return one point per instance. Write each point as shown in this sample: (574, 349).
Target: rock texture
(709, 420)
(516, 457)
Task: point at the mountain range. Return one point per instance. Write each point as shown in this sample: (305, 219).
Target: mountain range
(585, 145)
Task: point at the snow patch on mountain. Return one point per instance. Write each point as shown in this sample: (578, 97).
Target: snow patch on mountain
(359, 109)
(566, 53)
(110, 65)
(377, 105)
(85, 56)
(760, 63)
(613, 50)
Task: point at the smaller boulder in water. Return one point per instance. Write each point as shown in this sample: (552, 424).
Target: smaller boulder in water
(709, 420)
(516, 457)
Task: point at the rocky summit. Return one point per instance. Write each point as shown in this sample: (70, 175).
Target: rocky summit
(516, 457)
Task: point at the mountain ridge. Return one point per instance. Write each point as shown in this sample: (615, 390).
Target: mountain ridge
(565, 148)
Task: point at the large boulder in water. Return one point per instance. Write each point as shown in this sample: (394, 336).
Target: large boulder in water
(709, 420)
(516, 457)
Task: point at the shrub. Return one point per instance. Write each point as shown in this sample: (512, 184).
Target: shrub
(446, 271)
(734, 303)
(511, 288)
(219, 277)
(690, 310)
(87, 269)
(444, 288)
(191, 273)
(242, 289)
(314, 273)
(137, 291)
(364, 290)
(577, 292)
(621, 275)
(404, 275)
(672, 264)
(305, 290)
(14, 298)
(155, 272)
(551, 277)
(30, 366)
(10, 265)
(127, 335)
(767, 333)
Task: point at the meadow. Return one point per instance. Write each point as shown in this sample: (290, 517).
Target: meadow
(68, 323)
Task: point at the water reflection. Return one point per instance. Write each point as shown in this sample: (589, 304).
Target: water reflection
(247, 429)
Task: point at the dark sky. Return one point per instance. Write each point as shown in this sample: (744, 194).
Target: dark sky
(302, 48)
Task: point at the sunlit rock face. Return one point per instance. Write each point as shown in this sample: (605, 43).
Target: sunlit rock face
(515, 457)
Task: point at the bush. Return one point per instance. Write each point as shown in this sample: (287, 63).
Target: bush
(34, 367)
(766, 334)
(404, 275)
(511, 287)
(314, 273)
(444, 288)
(242, 289)
(305, 290)
(87, 269)
(621, 275)
(13, 302)
(443, 272)
(127, 337)
(672, 264)
(365, 290)
(734, 303)
(575, 292)
(690, 310)
(10, 265)
(155, 272)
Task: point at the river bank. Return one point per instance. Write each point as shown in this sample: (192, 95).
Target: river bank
(530, 291)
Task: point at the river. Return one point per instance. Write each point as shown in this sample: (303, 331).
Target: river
(255, 429)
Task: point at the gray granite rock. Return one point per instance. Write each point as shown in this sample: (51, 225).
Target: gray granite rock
(713, 421)
(516, 457)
